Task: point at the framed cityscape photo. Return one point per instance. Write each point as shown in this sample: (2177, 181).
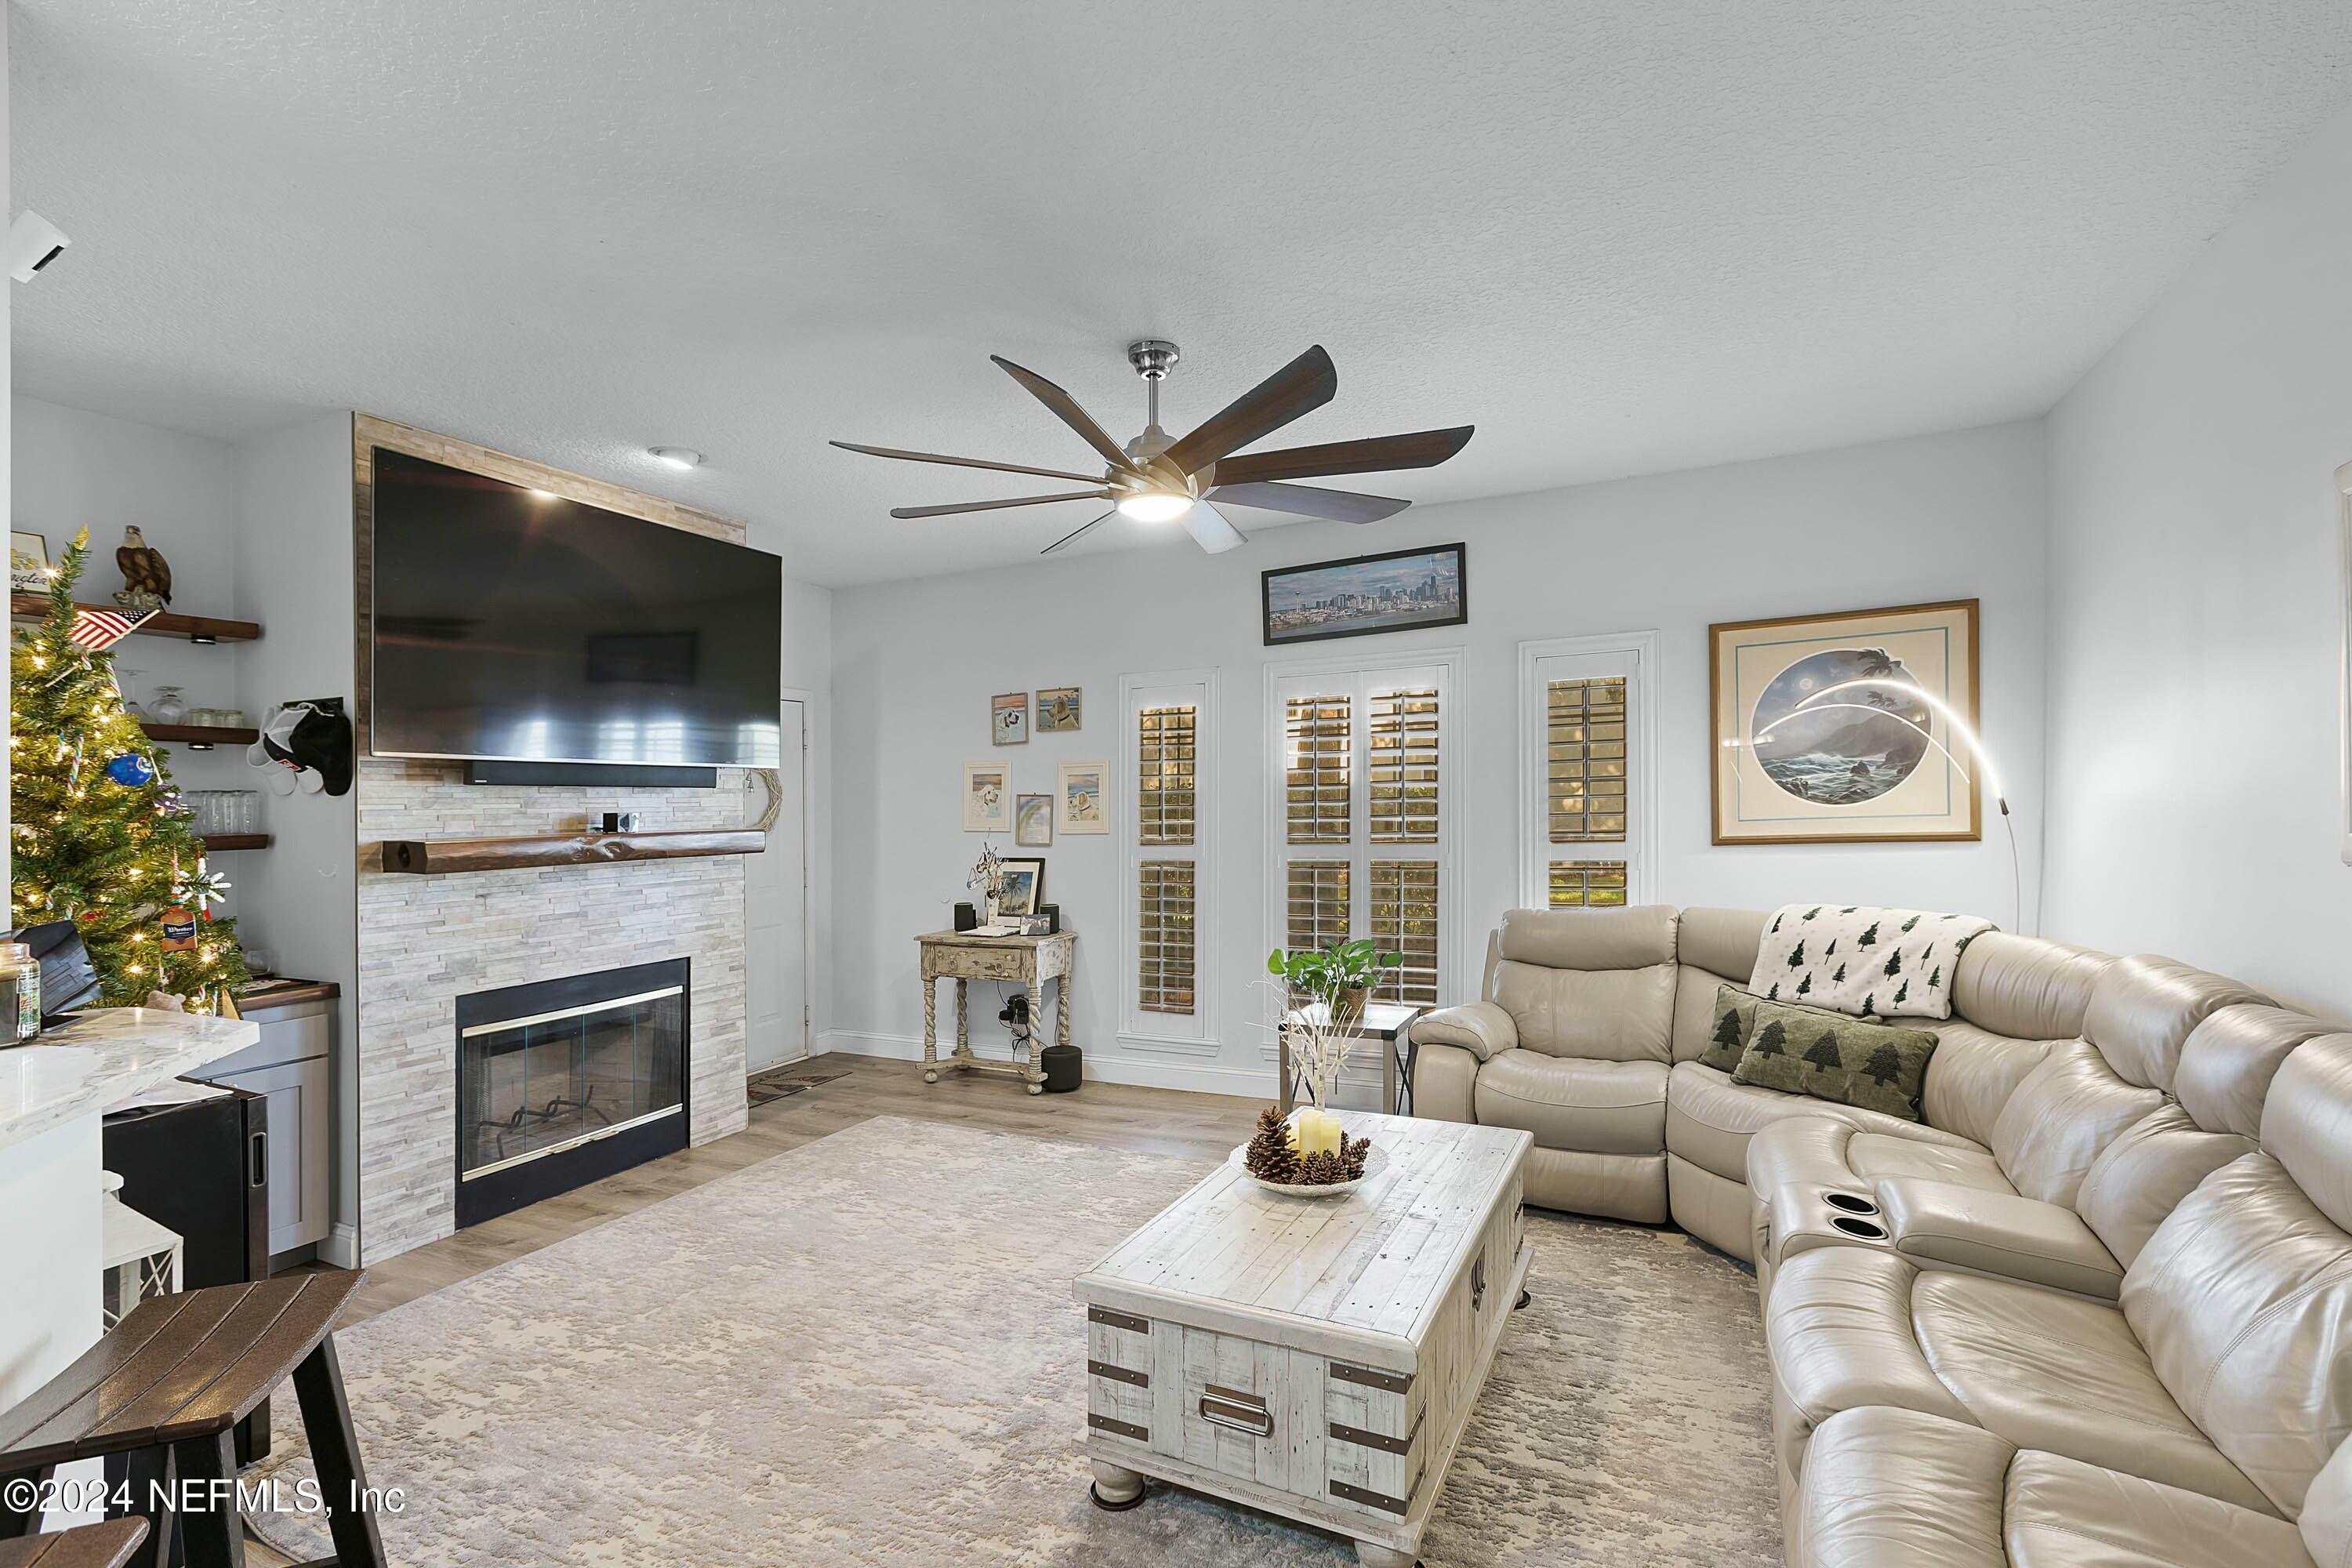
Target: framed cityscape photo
(1366, 594)
(1033, 821)
(1858, 728)
(987, 801)
(1082, 797)
(1008, 719)
(1058, 709)
(1025, 887)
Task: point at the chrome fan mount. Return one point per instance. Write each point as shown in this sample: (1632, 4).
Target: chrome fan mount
(1157, 477)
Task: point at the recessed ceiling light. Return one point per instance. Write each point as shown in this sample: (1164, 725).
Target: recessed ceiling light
(677, 457)
(1155, 506)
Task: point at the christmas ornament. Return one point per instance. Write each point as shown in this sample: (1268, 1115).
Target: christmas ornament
(179, 930)
(131, 770)
(203, 887)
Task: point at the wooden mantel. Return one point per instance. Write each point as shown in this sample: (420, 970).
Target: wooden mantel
(434, 856)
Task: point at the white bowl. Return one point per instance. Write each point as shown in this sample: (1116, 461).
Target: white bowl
(1374, 1163)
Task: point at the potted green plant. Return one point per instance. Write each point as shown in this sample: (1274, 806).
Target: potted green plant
(1340, 976)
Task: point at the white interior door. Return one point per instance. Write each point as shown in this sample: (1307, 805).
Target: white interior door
(775, 977)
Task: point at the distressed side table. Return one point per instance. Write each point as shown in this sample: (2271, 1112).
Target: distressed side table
(1028, 961)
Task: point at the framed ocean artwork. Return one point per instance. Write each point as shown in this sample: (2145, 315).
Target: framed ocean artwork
(1855, 728)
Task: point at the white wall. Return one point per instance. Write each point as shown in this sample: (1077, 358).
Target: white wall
(75, 468)
(1949, 516)
(2194, 715)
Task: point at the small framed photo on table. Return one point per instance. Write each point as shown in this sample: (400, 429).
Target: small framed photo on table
(1025, 887)
(28, 563)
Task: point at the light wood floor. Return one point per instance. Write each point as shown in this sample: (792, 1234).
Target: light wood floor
(1119, 1116)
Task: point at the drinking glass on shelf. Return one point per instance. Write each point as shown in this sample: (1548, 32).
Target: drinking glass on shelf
(126, 680)
(248, 811)
(170, 707)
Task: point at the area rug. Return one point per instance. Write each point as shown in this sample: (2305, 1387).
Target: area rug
(775, 1083)
(864, 1351)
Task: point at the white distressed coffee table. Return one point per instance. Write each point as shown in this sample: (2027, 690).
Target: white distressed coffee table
(1317, 1358)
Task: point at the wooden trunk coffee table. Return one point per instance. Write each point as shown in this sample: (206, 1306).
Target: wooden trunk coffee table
(1317, 1358)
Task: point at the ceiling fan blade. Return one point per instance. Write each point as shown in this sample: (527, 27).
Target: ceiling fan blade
(1303, 386)
(1377, 454)
(1308, 500)
(906, 511)
(1076, 531)
(1210, 529)
(963, 462)
(1065, 409)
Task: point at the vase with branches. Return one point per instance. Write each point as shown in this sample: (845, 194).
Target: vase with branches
(1338, 980)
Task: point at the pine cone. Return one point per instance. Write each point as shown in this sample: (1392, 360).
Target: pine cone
(1269, 1156)
(1353, 1153)
(1321, 1169)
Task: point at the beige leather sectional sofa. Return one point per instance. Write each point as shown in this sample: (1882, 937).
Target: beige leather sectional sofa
(2095, 1309)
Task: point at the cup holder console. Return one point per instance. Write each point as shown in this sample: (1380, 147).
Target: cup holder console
(1850, 1203)
(1851, 1225)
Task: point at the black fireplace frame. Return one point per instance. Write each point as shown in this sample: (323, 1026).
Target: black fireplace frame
(498, 1191)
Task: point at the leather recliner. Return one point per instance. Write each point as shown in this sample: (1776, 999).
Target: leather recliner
(2218, 1373)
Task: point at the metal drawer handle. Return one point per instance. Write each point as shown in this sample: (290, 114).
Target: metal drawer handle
(1477, 1281)
(1242, 1412)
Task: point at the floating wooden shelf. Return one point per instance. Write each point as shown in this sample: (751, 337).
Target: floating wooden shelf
(203, 737)
(433, 856)
(216, 842)
(194, 629)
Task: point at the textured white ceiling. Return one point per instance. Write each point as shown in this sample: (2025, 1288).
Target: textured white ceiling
(1619, 236)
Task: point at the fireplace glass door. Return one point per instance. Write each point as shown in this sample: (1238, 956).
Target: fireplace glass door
(536, 1085)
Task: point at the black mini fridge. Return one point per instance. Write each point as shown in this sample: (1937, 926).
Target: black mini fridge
(201, 1169)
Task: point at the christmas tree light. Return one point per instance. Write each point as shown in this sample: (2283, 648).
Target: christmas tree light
(101, 840)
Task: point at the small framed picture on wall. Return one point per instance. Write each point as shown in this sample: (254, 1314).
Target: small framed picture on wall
(1008, 719)
(987, 799)
(1059, 709)
(1033, 821)
(1082, 797)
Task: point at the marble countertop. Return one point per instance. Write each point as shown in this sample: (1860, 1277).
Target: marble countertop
(104, 1056)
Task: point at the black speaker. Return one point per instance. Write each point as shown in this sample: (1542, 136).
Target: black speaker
(966, 918)
(1052, 913)
(1064, 1067)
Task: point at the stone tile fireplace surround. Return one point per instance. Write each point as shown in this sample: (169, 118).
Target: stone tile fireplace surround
(423, 941)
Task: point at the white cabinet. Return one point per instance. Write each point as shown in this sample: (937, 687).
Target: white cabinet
(289, 1069)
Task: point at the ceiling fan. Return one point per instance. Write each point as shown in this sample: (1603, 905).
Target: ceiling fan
(1159, 479)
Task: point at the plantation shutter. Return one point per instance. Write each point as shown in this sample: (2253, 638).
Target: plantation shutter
(1364, 834)
(1167, 748)
(1166, 724)
(1581, 840)
(1166, 952)
(1320, 804)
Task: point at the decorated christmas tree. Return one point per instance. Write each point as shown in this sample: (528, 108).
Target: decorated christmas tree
(98, 833)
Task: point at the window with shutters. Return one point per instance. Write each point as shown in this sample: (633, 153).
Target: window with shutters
(1362, 814)
(1585, 759)
(1166, 722)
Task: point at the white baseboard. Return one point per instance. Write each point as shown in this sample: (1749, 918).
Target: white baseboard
(342, 1246)
(1154, 1072)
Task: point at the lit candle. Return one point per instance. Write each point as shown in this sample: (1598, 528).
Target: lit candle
(1315, 1132)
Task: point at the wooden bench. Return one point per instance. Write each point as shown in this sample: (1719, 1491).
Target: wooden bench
(108, 1545)
(167, 1388)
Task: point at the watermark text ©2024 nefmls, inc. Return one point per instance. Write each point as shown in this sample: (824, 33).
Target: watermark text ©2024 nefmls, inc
(23, 1495)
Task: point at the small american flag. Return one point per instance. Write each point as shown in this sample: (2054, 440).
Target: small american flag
(95, 629)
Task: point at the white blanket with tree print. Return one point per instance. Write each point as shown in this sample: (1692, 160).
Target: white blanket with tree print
(1872, 963)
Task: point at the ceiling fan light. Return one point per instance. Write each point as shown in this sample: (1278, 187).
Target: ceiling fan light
(1155, 506)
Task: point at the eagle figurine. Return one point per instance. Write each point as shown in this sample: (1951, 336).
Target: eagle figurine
(146, 575)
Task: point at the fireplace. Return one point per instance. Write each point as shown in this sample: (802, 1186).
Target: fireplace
(564, 1081)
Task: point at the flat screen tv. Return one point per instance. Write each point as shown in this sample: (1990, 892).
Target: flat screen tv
(514, 624)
